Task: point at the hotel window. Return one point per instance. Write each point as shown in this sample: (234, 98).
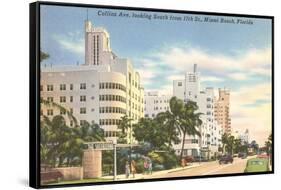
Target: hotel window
(41, 87)
(71, 98)
(62, 99)
(50, 99)
(50, 87)
(62, 112)
(71, 123)
(82, 110)
(83, 122)
(50, 112)
(82, 98)
(130, 76)
(82, 86)
(71, 86)
(62, 87)
(71, 110)
(179, 83)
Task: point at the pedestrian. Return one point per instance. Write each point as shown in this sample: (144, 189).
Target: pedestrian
(145, 166)
(127, 169)
(150, 166)
(133, 168)
(183, 162)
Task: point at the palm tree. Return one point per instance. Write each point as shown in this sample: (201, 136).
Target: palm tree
(43, 56)
(124, 126)
(169, 123)
(230, 144)
(237, 145)
(224, 140)
(190, 121)
(268, 144)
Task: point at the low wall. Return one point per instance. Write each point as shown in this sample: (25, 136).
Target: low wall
(71, 173)
(92, 161)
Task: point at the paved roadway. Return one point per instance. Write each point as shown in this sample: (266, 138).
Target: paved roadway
(208, 168)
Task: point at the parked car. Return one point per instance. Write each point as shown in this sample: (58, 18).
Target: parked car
(226, 159)
(257, 165)
(242, 155)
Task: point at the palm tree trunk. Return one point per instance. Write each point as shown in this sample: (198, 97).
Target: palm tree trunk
(182, 146)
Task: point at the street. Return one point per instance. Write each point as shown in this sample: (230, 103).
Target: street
(207, 168)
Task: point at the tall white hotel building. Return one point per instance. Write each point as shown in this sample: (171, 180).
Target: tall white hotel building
(100, 91)
(155, 103)
(189, 89)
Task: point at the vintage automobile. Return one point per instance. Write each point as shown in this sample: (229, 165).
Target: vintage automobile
(257, 165)
(226, 159)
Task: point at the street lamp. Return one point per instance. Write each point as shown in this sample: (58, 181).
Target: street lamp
(115, 161)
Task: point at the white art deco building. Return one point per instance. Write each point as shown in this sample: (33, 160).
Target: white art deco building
(100, 91)
(155, 103)
(189, 89)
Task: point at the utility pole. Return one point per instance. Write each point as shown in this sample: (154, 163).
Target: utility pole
(115, 162)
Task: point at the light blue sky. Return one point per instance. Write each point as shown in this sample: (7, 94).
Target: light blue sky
(138, 38)
(236, 56)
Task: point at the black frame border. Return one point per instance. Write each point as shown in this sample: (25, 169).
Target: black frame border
(34, 91)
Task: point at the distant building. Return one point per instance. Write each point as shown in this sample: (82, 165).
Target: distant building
(188, 89)
(244, 136)
(155, 103)
(222, 107)
(100, 91)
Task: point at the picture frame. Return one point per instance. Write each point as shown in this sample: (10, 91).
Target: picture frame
(112, 91)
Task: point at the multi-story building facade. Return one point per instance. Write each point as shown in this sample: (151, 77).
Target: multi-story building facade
(188, 89)
(155, 103)
(222, 107)
(100, 91)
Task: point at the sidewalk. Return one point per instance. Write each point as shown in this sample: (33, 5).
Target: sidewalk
(156, 173)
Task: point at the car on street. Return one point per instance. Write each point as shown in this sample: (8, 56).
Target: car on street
(226, 159)
(242, 155)
(257, 165)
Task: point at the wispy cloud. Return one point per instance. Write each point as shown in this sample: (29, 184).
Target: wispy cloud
(247, 71)
(72, 42)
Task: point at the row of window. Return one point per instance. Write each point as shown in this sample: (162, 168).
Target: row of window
(110, 121)
(63, 99)
(159, 101)
(191, 141)
(110, 97)
(109, 85)
(50, 112)
(62, 87)
(160, 108)
(110, 133)
(112, 110)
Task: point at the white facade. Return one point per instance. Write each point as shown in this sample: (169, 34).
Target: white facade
(101, 91)
(210, 140)
(155, 103)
